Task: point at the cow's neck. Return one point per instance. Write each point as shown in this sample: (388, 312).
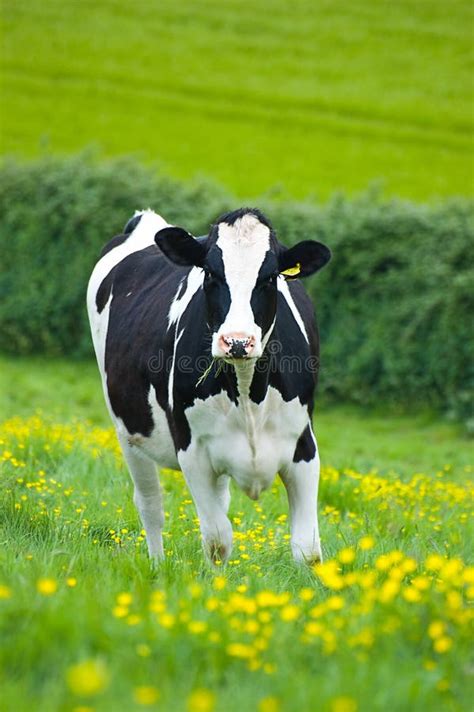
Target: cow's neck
(244, 373)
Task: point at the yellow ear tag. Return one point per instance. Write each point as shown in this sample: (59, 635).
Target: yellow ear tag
(292, 271)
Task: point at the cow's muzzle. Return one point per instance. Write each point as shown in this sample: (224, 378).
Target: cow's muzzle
(236, 345)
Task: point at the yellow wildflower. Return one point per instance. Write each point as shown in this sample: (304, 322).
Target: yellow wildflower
(146, 695)
(269, 704)
(335, 603)
(366, 543)
(219, 583)
(442, 644)
(289, 613)
(201, 700)
(422, 583)
(195, 590)
(468, 575)
(411, 594)
(266, 598)
(197, 627)
(434, 562)
(166, 620)
(436, 629)
(343, 704)
(314, 628)
(134, 619)
(454, 600)
(382, 563)
(88, 678)
(212, 604)
(240, 650)
(408, 566)
(347, 555)
(389, 590)
(46, 586)
(124, 599)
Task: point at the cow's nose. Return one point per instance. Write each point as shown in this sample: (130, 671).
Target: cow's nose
(237, 345)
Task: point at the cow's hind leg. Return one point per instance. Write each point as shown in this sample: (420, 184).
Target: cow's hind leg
(301, 479)
(147, 497)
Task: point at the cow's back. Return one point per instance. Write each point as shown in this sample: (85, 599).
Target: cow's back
(129, 296)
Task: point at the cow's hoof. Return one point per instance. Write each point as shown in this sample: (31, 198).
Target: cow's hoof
(217, 552)
(309, 556)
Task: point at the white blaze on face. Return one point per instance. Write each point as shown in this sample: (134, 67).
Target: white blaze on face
(244, 245)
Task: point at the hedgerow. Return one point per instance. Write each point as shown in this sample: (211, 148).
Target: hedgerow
(395, 304)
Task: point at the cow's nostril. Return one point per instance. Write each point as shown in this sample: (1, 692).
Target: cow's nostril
(236, 345)
(238, 349)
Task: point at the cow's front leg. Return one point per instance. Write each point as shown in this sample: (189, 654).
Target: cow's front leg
(301, 479)
(210, 495)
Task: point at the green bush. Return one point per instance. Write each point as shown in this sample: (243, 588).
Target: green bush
(397, 300)
(394, 305)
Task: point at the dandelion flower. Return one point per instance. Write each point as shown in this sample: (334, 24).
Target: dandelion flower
(146, 695)
(269, 704)
(201, 700)
(346, 555)
(343, 704)
(289, 613)
(124, 599)
(366, 543)
(219, 583)
(46, 586)
(436, 629)
(88, 678)
(443, 644)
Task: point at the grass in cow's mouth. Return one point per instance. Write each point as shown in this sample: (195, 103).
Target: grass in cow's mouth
(205, 374)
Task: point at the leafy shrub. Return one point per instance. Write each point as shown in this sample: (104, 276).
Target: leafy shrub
(396, 302)
(394, 305)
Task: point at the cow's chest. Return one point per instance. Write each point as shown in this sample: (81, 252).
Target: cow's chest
(250, 442)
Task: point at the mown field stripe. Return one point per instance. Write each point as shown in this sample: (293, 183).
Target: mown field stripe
(224, 107)
(258, 100)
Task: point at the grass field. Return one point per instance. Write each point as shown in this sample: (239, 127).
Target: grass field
(308, 97)
(87, 624)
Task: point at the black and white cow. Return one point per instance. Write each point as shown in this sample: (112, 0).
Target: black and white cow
(163, 307)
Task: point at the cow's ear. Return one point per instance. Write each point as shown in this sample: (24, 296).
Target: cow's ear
(303, 259)
(180, 247)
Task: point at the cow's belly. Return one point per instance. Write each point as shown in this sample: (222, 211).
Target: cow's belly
(250, 442)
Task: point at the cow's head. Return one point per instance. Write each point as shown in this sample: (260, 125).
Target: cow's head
(242, 261)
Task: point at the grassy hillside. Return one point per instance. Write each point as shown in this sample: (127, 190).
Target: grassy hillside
(311, 97)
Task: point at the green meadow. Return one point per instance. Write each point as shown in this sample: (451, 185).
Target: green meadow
(300, 99)
(89, 625)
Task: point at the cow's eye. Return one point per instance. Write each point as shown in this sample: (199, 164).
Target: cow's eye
(210, 277)
(268, 280)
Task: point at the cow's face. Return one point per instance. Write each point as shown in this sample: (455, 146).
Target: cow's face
(242, 262)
